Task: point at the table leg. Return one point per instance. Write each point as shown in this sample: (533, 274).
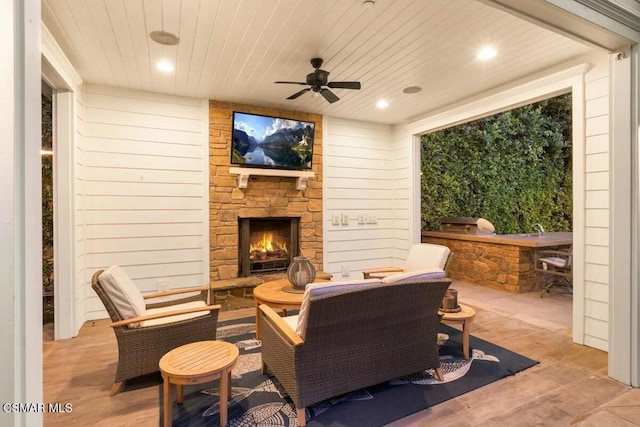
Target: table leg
(224, 397)
(180, 398)
(465, 339)
(168, 404)
(258, 322)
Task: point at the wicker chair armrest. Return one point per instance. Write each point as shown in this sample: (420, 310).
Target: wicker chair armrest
(166, 314)
(176, 292)
(366, 273)
(281, 327)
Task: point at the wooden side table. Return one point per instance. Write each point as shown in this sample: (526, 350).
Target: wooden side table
(197, 363)
(464, 316)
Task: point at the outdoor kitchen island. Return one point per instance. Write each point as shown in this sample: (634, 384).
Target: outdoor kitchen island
(500, 261)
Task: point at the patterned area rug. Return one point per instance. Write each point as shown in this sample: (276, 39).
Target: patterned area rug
(259, 400)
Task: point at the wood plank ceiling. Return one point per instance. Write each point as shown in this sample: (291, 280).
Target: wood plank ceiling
(233, 50)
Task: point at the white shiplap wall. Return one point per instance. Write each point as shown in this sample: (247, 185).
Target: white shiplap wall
(406, 197)
(143, 189)
(82, 278)
(596, 268)
(358, 181)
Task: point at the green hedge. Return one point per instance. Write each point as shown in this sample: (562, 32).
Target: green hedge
(513, 168)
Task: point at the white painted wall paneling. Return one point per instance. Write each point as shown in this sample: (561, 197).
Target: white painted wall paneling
(145, 188)
(82, 277)
(358, 179)
(596, 268)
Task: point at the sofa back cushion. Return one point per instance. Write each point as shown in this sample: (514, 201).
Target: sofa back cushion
(414, 276)
(426, 255)
(123, 293)
(317, 289)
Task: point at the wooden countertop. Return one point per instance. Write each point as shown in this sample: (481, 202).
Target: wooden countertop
(532, 240)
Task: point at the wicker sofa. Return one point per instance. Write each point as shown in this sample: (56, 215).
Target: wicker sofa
(351, 335)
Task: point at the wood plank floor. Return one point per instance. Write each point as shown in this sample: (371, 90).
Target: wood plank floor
(568, 387)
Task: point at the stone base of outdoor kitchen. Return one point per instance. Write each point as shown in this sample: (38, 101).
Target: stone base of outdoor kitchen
(497, 261)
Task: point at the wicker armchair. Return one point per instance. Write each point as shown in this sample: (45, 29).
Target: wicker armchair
(353, 338)
(421, 256)
(141, 346)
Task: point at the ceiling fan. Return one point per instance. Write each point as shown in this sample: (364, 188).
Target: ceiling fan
(318, 83)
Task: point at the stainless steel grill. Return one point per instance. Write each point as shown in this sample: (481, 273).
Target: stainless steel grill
(466, 225)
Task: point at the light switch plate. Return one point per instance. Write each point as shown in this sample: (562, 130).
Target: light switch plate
(345, 270)
(335, 219)
(164, 285)
(372, 219)
(345, 219)
(362, 218)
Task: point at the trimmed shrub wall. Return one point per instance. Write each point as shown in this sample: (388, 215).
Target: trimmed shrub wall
(513, 168)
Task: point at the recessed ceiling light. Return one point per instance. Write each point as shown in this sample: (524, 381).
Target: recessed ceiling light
(164, 38)
(165, 66)
(382, 104)
(368, 4)
(412, 89)
(486, 52)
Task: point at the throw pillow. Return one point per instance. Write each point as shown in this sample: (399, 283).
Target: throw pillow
(123, 292)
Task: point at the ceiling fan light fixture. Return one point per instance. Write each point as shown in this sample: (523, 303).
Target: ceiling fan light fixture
(318, 83)
(164, 38)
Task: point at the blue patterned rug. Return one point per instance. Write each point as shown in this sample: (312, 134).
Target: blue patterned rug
(258, 400)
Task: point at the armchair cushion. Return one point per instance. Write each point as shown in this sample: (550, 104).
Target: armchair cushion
(426, 255)
(124, 294)
(177, 317)
(415, 276)
(292, 321)
(317, 289)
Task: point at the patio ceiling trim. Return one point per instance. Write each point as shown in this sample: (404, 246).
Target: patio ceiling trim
(500, 99)
(578, 20)
(56, 68)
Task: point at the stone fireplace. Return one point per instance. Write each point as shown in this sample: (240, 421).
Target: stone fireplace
(265, 197)
(266, 245)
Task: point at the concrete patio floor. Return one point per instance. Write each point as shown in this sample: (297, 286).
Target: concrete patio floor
(568, 387)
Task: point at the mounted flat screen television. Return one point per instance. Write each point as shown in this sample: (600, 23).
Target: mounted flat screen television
(271, 142)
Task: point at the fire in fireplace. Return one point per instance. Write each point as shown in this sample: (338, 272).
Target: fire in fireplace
(266, 244)
(268, 247)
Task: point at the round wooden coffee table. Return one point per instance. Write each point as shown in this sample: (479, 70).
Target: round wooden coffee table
(464, 316)
(197, 363)
(271, 294)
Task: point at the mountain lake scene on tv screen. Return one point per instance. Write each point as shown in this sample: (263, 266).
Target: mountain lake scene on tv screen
(271, 142)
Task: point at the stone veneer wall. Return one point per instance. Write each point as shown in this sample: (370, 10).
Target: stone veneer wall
(496, 266)
(264, 196)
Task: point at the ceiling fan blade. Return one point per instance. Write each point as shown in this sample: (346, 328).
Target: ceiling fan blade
(329, 96)
(344, 85)
(297, 94)
(292, 83)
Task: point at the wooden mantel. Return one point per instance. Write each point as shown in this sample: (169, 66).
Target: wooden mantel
(245, 173)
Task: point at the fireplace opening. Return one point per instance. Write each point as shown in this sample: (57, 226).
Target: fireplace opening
(266, 244)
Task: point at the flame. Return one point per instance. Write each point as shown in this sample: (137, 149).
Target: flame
(267, 244)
